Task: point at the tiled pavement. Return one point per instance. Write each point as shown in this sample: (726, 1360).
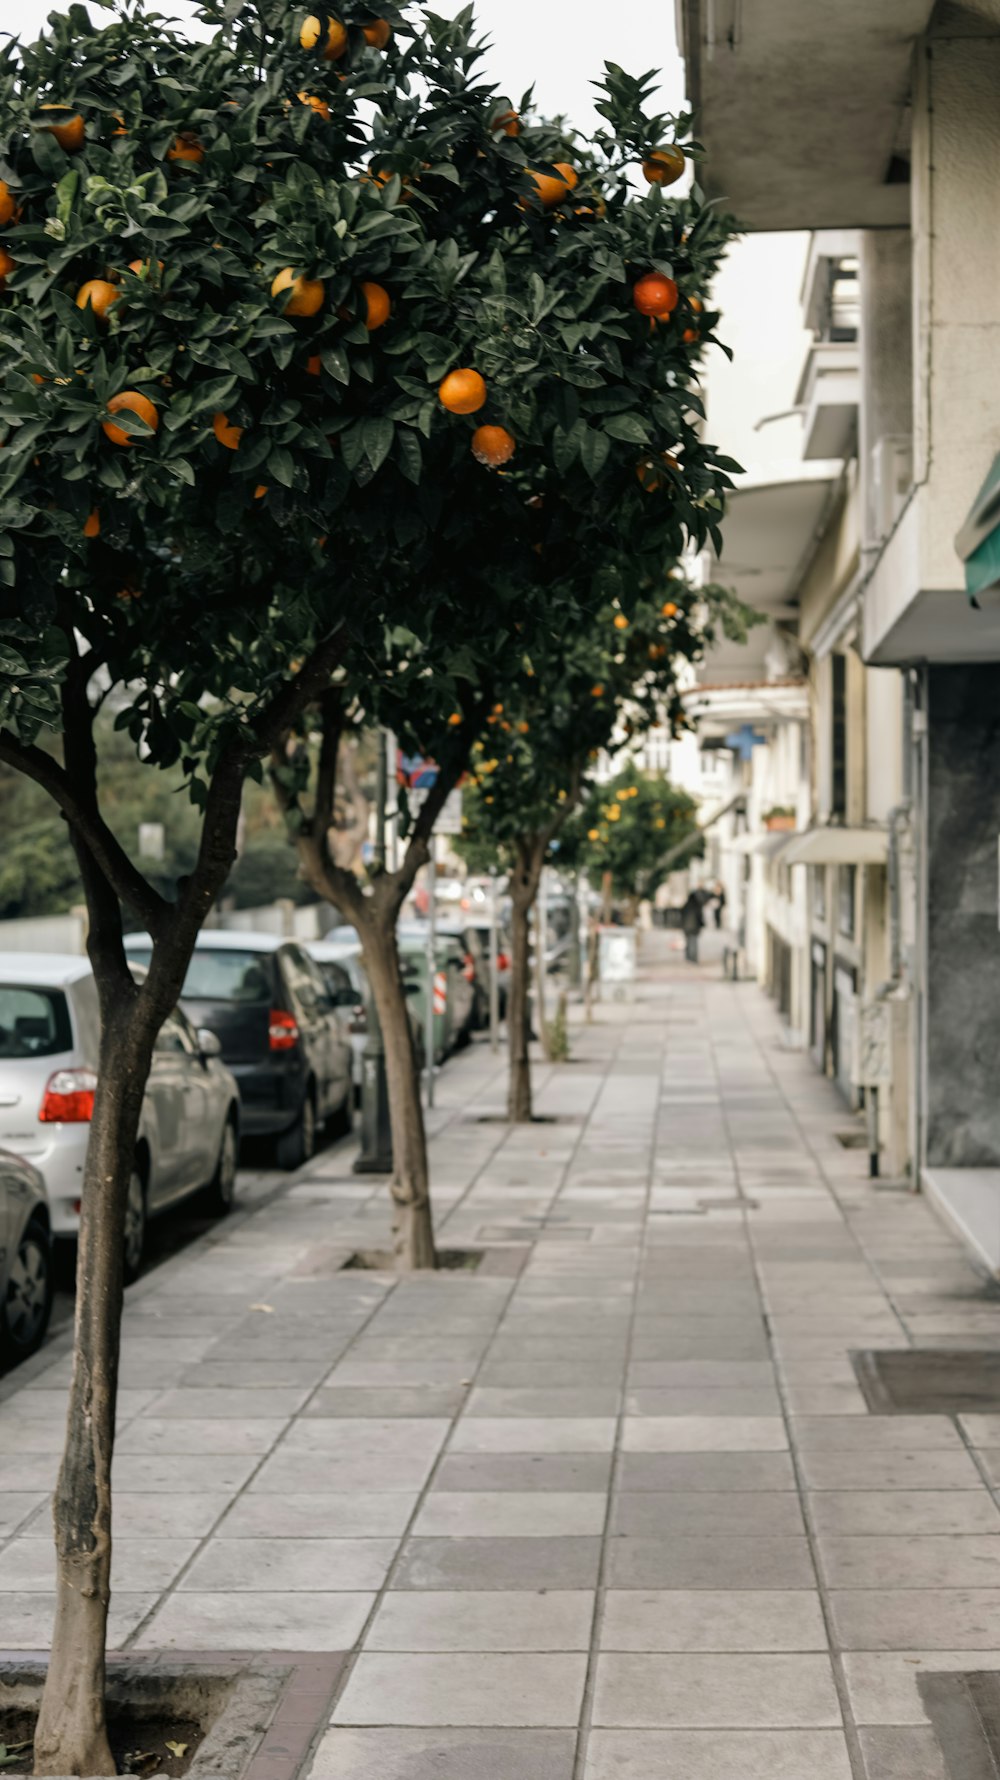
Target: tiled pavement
(623, 1516)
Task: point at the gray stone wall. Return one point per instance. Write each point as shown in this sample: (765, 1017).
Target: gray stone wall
(963, 948)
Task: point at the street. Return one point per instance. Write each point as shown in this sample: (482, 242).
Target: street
(616, 1497)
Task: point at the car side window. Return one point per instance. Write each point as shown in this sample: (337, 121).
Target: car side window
(171, 1040)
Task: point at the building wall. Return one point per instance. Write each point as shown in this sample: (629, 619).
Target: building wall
(963, 943)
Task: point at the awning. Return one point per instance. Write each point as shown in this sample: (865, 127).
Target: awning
(838, 846)
(766, 843)
(978, 542)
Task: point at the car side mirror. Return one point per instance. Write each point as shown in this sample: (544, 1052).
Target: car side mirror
(208, 1042)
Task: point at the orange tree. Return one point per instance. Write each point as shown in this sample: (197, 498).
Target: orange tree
(615, 679)
(628, 832)
(235, 275)
(574, 327)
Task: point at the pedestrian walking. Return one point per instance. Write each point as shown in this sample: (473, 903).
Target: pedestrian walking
(720, 904)
(692, 922)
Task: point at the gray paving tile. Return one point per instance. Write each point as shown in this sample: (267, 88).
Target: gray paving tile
(166, 1516)
(444, 1564)
(511, 1514)
(327, 1515)
(275, 1403)
(15, 1508)
(167, 1438)
(417, 1400)
(533, 1434)
(28, 1564)
(467, 1688)
(917, 1619)
(706, 1619)
(902, 1512)
(588, 1471)
(584, 1401)
(697, 1690)
(535, 1620)
(256, 1566)
(434, 1754)
(710, 1561)
(914, 1561)
(272, 1621)
(27, 1619)
(874, 1433)
(664, 1513)
(889, 1471)
(704, 1433)
(145, 1473)
(894, 1753)
(715, 1472)
(716, 1755)
(883, 1684)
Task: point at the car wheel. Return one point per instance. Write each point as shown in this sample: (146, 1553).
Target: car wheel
(298, 1145)
(221, 1190)
(135, 1225)
(27, 1304)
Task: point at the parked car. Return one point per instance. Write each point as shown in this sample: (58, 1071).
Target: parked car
(339, 958)
(270, 1009)
(452, 961)
(473, 934)
(49, 1047)
(25, 1259)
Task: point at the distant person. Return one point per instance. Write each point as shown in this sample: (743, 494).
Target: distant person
(720, 904)
(692, 922)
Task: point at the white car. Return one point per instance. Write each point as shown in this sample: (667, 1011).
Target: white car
(49, 1046)
(25, 1260)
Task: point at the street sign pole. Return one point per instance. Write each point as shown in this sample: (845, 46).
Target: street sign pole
(375, 1154)
(431, 963)
(494, 968)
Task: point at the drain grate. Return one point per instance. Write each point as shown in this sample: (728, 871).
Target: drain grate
(964, 1710)
(929, 1381)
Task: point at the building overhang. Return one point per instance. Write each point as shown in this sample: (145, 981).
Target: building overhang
(907, 619)
(803, 107)
(831, 845)
(756, 702)
(770, 532)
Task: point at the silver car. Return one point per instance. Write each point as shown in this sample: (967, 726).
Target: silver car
(49, 1045)
(25, 1260)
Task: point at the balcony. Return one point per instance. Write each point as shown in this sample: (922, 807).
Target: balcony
(829, 392)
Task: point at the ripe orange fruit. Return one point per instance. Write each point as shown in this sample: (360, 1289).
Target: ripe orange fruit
(186, 147)
(336, 36)
(7, 264)
(320, 106)
(621, 622)
(99, 294)
(493, 445)
(550, 189)
(92, 524)
(693, 333)
(8, 205)
(649, 472)
(70, 134)
(597, 692)
(655, 295)
(306, 296)
(507, 121)
(523, 728)
(455, 719)
(119, 119)
(133, 403)
(227, 435)
(663, 166)
(669, 609)
(378, 306)
(378, 34)
(314, 365)
(260, 491)
(462, 392)
(144, 268)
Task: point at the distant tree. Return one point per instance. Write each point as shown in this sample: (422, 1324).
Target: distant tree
(625, 832)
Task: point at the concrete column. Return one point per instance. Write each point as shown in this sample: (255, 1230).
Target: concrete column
(886, 413)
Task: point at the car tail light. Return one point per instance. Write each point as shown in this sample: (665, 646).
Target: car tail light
(503, 962)
(469, 968)
(282, 1030)
(68, 1098)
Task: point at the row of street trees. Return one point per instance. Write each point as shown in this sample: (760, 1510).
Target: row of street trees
(333, 392)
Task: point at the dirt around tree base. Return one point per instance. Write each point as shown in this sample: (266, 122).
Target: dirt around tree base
(138, 1744)
(382, 1260)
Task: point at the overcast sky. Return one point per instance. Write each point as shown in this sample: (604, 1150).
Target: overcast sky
(758, 288)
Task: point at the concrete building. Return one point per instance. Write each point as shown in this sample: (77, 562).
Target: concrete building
(878, 129)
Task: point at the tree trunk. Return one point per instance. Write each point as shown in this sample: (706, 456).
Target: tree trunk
(71, 1736)
(413, 1225)
(519, 1082)
(541, 999)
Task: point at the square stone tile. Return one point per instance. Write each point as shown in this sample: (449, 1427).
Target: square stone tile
(902, 1512)
(914, 1561)
(327, 1516)
(533, 1434)
(716, 1755)
(188, 1474)
(15, 1507)
(884, 1684)
(166, 1517)
(704, 1433)
(892, 1753)
(665, 1512)
(584, 1402)
(554, 1620)
(464, 1688)
(519, 1564)
(28, 1619)
(715, 1472)
(745, 1691)
(511, 1514)
(432, 1754)
(256, 1566)
(589, 1472)
(889, 1471)
(352, 1401)
(716, 1562)
(874, 1433)
(275, 1403)
(748, 1401)
(270, 1621)
(917, 1619)
(712, 1620)
(166, 1438)
(28, 1565)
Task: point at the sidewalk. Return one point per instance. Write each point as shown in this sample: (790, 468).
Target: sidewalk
(621, 1515)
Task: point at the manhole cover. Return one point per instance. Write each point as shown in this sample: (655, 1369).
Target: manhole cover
(929, 1381)
(965, 1712)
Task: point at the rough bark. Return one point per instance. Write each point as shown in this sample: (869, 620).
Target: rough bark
(413, 1225)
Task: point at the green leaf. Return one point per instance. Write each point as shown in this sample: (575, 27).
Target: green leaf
(627, 427)
(378, 437)
(281, 465)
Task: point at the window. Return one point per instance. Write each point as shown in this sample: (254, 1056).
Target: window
(819, 891)
(241, 977)
(838, 738)
(33, 1022)
(172, 1039)
(846, 894)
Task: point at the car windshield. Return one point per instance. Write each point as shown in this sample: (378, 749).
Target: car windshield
(222, 976)
(34, 1022)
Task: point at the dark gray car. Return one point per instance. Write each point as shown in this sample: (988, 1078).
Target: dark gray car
(25, 1260)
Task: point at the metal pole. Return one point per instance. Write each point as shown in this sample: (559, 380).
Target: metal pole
(381, 787)
(375, 1155)
(431, 964)
(494, 968)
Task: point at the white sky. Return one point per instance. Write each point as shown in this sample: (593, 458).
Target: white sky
(757, 289)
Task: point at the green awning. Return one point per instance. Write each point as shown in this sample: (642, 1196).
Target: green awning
(978, 542)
